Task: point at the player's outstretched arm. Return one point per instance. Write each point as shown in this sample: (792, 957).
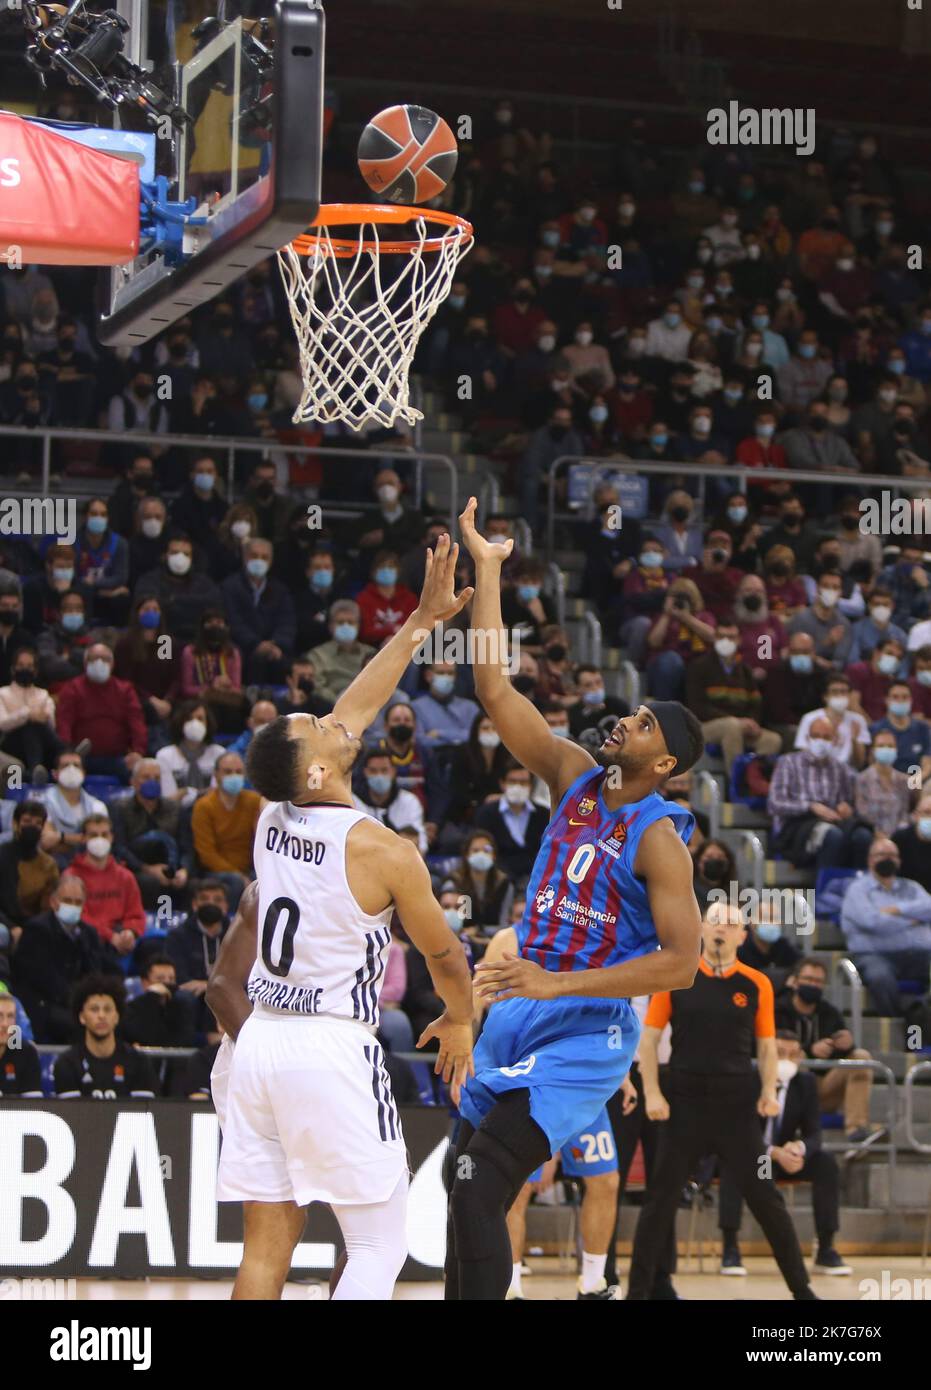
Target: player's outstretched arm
(408, 881)
(524, 731)
(377, 681)
(226, 989)
(666, 865)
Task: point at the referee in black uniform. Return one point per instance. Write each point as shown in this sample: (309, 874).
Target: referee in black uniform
(715, 1098)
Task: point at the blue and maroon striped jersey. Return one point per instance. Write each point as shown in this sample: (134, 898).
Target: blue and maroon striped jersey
(586, 907)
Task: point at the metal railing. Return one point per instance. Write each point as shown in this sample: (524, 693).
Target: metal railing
(908, 1099)
(708, 798)
(888, 1075)
(556, 582)
(231, 446)
(849, 975)
(752, 846)
(735, 474)
(630, 683)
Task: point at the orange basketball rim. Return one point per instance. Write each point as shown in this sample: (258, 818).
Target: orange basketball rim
(376, 214)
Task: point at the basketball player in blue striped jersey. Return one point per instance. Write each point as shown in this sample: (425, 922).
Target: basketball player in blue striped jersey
(612, 883)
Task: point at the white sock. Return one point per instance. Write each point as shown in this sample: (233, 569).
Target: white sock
(593, 1272)
(515, 1288)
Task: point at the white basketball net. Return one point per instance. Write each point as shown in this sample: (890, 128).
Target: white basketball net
(359, 317)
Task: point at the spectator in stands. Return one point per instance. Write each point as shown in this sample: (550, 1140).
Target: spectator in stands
(131, 491)
(851, 734)
(272, 510)
(182, 592)
(113, 906)
(761, 450)
(594, 703)
(668, 336)
(188, 762)
(199, 508)
(223, 826)
(793, 1143)
(12, 633)
(516, 826)
(300, 694)
(557, 438)
(802, 1009)
(805, 375)
(516, 322)
(485, 894)
(193, 945)
(912, 736)
(384, 604)
(557, 678)
(152, 836)
(443, 716)
(916, 344)
(224, 349)
(394, 1029)
(402, 743)
(829, 629)
(102, 564)
(159, 1016)
(525, 608)
(680, 537)
(795, 531)
(876, 627)
(42, 593)
(27, 716)
(68, 805)
(146, 543)
(717, 576)
(100, 1067)
(883, 796)
(338, 661)
(644, 591)
(589, 363)
(715, 870)
(138, 407)
(313, 598)
(20, 1068)
(376, 791)
(240, 524)
(99, 707)
(476, 770)
(211, 671)
(815, 447)
(871, 681)
(393, 527)
(478, 358)
(886, 921)
(261, 615)
(791, 689)
(811, 801)
(762, 636)
(907, 581)
(913, 841)
(145, 656)
(682, 631)
(28, 875)
(766, 946)
(722, 693)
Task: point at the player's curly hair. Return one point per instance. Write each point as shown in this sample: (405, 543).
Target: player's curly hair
(86, 988)
(273, 762)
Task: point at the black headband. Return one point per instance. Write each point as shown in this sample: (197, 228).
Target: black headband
(670, 716)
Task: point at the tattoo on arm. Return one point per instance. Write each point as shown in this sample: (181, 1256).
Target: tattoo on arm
(438, 955)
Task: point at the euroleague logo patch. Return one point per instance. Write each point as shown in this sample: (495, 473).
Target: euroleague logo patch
(740, 1000)
(619, 832)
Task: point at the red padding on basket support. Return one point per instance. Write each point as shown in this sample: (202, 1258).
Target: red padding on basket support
(61, 203)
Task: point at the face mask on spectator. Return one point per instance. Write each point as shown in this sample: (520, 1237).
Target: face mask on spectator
(725, 647)
(72, 622)
(809, 994)
(151, 788)
(25, 676)
(828, 597)
(802, 664)
(179, 562)
(765, 430)
(651, 559)
(241, 529)
(714, 868)
(528, 592)
(659, 441)
(896, 365)
(388, 494)
(695, 282)
(321, 579)
(68, 914)
(598, 414)
(785, 1070)
(517, 794)
(806, 350)
(636, 347)
(152, 527)
(583, 337)
(753, 603)
(701, 424)
(672, 320)
(96, 525)
(98, 670)
(99, 846)
(62, 576)
(884, 754)
(703, 256)
(489, 739)
(442, 685)
(924, 827)
(546, 342)
(257, 568)
(899, 709)
(481, 861)
(594, 697)
(737, 515)
(819, 747)
(768, 931)
(386, 576)
(550, 238)
(209, 915)
(195, 730)
(714, 323)
(203, 481)
(923, 677)
(71, 777)
(379, 783)
(453, 919)
(884, 228)
(886, 868)
(839, 703)
(696, 185)
(149, 618)
(258, 400)
(881, 614)
(346, 632)
(232, 783)
(760, 321)
(888, 663)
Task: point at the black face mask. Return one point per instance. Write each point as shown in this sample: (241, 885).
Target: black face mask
(714, 869)
(753, 603)
(558, 432)
(886, 868)
(306, 684)
(29, 838)
(215, 636)
(818, 423)
(141, 482)
(9, 617)
(809, 994)
(209, 915)
(24, 677)
(792, 519)
(679, 513)
(719, 556)
(779, 571)
(524, 684)
(556, 652)
(264, 490)
(401, 733)
(850, 523)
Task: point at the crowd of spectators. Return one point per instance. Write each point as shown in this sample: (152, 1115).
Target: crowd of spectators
(753, 316)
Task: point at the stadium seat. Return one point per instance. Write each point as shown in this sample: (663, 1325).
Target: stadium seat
(102, 787)
(734, 792)
(828, 900)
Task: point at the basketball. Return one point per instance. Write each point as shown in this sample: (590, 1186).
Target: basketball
(407, 154)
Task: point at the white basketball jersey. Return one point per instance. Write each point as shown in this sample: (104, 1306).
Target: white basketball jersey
(318, 952)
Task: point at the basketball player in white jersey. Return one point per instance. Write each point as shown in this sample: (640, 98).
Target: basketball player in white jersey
(309, 1111)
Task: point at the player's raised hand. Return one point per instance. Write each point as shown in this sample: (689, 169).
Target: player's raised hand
(479, 548)
(438, 598)
(513, 978)
(454, 1059)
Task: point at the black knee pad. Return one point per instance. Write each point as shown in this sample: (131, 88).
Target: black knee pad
(510, 1123)
(483, 1184)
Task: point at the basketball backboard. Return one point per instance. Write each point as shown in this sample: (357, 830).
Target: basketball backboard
(250, 155)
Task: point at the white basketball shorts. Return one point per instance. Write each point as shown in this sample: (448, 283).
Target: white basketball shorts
(309, 1114)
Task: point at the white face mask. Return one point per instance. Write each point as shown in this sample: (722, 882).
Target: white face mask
(70, 777)
(546, 342)
(98, 846)
(98, 671)
(195, 730)
(881, 614)
(152, 527)
(517, 794)
(828, 597)
(785, 1070)
(489, 739)
(583, 338)
(388, 494)
(819, 747)
(839, 703)
(241, 529)
(725, 647)
(179, 562)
